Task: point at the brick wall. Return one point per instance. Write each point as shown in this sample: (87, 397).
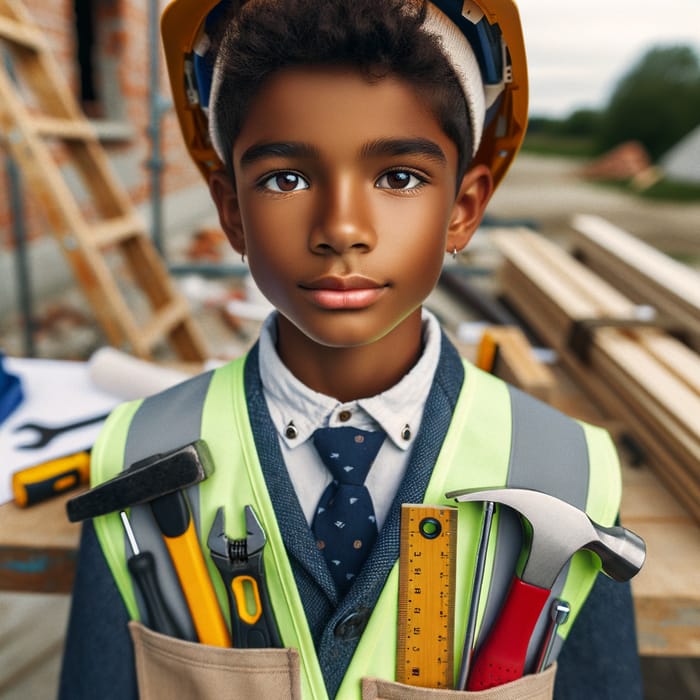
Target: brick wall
(121, 61)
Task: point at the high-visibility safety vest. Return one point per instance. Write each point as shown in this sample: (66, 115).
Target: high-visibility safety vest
(496, 438)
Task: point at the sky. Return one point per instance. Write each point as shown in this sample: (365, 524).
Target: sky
(579, 49)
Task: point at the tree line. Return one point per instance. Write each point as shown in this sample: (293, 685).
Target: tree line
(657, 102)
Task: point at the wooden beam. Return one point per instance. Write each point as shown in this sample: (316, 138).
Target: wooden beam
(639, 374)
(643, 273)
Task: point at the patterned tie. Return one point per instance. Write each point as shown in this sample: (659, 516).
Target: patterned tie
(344, 524)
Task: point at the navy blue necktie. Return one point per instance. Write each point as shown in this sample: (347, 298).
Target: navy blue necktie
(344, 523)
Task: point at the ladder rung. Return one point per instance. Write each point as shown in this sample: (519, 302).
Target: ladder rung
(163, 321)
(112, 231)
(68, 129)
(41, 107)
(22, 34)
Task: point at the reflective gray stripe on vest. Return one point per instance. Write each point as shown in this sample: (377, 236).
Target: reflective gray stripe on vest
(173, 418)
(549, 453)
(163, 423)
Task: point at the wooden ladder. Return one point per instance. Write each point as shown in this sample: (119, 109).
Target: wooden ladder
(45, 131)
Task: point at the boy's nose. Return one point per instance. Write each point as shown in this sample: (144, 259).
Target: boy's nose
(344, 221)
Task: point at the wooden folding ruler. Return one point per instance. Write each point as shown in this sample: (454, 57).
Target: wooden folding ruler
(427, 564)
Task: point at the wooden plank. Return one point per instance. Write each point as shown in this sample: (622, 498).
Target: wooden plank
(658, 385)
(17, 27)
(113, 231)
(38, 547)
(150, 271)
(187, 337)
(515, 361)
(515, 248)
(656, 451)
(62, 128)
(665, 592)
(602, 296)
(162, 322)
(643, 273)
(658, 398)
(28, 37)
(675, 356)
(109, 197)
(676, 280)
(48, 570)
(651, 426)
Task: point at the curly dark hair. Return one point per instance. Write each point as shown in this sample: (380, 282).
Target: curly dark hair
(376, 37)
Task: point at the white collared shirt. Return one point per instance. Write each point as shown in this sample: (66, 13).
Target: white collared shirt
(398, 411)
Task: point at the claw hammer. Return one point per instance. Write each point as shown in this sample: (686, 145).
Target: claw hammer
(559, 530)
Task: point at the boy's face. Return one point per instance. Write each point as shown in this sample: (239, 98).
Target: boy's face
(345, 203)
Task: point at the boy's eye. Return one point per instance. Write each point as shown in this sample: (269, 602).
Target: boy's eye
(285, 182)
(399, 180)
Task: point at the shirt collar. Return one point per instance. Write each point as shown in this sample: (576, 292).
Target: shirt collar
(397, 411)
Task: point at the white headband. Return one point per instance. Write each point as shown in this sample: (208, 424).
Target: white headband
(461, 57)
(457, 51)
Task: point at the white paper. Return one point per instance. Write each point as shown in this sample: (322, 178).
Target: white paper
(56, 393)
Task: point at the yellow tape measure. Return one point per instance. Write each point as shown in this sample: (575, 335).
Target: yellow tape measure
(425, 652)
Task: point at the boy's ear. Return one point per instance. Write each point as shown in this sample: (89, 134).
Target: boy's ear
(225, 198)
(473, 195)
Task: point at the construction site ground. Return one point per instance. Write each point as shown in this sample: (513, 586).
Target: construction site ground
(541, 192)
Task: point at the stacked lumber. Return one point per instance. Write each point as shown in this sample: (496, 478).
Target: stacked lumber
(506, 352)
(641, 272)
(666, 593)
(636, 373)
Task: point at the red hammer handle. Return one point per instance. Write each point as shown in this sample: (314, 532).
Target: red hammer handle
(501, 658)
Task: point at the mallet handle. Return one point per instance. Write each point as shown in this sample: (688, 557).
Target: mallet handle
(174, 518)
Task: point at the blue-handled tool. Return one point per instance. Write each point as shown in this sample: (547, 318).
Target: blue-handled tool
(11, 393)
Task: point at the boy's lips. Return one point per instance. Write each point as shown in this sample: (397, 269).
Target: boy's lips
(351, 292)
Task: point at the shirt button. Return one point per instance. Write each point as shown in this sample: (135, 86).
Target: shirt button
(352, 625)
(344, 416)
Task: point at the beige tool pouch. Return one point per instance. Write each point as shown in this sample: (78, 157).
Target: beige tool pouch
(171, 668)
(168, 667)
(538, 686)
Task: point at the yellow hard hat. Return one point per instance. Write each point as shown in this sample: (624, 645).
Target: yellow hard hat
(492, 27)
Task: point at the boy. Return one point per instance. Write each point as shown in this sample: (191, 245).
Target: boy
(359, 141)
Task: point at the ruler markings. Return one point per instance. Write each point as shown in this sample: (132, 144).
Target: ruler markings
(427, 565)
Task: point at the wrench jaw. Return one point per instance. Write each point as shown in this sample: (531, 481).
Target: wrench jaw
(242, 569)
(256, 539)
(217, 541)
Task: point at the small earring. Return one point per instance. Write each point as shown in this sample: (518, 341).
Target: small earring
(454, 253)
(243, 258)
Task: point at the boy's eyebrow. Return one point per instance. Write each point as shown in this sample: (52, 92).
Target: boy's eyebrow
(403, 147)
(378, 147)
(279, 149)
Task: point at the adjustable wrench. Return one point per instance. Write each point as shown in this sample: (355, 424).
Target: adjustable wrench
(240, 563)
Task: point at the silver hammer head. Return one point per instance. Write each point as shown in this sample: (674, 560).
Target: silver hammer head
(559, 530)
